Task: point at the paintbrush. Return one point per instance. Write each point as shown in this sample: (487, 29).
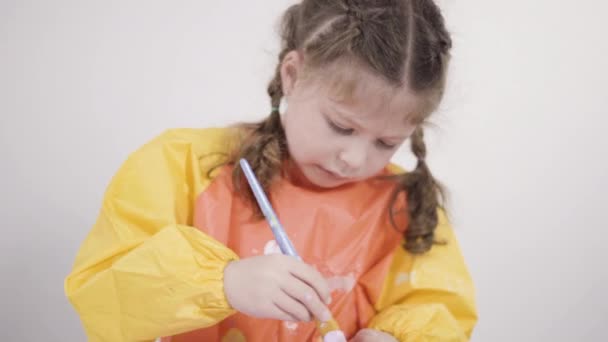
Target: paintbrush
(329, 330)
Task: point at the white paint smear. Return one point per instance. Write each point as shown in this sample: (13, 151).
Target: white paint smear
(342, 283)
(291, 326)
(402, 278)
(334, 336)
(272, 247)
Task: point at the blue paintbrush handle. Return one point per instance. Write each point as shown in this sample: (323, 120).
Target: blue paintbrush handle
(277, 229)
(330, 330)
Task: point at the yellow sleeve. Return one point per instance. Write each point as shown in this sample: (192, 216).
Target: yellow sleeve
(143, 271)
(428, 297)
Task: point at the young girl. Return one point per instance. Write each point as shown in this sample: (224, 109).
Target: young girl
(181, 251)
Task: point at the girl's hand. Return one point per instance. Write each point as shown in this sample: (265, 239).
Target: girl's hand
(371, 335)
(277, 287)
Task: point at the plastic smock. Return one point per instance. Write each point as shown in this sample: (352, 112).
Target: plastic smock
(152, 266)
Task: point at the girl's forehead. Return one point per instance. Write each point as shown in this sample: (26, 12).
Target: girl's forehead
(362, 94)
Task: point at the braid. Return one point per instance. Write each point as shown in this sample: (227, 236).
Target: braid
(265, 146)
(428, 47)
(423, 195)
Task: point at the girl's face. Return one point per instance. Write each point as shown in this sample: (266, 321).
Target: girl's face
(337, 137)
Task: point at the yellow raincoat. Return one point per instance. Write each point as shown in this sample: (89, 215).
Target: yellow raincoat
(152, 266)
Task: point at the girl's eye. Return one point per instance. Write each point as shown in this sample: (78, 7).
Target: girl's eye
(385, 145)
(340, 129)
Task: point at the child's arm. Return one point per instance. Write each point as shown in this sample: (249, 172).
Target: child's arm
(428, 297)
(143, 271)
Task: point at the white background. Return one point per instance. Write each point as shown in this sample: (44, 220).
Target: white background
(520, 142)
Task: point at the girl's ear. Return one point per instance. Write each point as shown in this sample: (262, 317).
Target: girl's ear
(291, 67)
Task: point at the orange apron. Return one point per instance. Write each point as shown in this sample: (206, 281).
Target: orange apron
(344, 232)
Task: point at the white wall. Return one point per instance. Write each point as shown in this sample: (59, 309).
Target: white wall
(520, 142)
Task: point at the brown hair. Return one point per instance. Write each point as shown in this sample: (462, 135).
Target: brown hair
(403, 41)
